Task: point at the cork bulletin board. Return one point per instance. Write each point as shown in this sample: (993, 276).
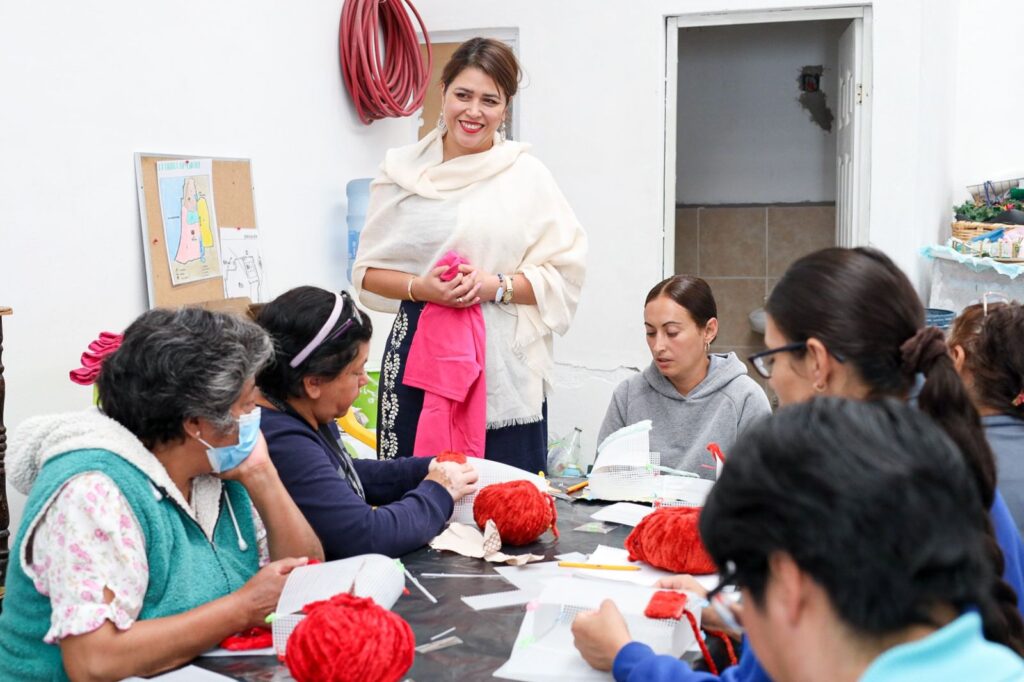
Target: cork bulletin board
(233, 189)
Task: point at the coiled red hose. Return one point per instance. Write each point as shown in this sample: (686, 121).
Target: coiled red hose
(397, 86)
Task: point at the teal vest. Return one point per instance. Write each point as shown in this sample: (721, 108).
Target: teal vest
(186, 570)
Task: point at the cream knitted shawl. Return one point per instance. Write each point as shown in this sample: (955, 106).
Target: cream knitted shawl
(502, 210)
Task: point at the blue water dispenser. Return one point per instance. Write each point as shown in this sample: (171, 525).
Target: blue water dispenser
(358, 193)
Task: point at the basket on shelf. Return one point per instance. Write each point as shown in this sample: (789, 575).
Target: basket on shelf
(965, 230)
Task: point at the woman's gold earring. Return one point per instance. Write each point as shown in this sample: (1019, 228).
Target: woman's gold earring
(819, 386)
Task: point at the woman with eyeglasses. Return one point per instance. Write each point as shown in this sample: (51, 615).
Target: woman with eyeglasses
(788, 519)
(987, 344)
(848, 323)
(693, 397)
(356, 506)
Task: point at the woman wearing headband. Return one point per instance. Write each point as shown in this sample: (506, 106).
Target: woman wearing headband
(321, 341)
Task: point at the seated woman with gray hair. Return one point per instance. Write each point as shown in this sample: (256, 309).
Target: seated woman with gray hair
(148, 520)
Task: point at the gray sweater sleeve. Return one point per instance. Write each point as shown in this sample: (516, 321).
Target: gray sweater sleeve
(754, 406)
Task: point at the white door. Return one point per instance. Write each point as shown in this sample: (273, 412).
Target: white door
(848, 131)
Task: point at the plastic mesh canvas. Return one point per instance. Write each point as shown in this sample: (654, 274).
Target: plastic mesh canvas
(370, 575)
(492, 472)
(544, 648)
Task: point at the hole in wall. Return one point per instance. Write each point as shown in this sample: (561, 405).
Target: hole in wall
(812, 98)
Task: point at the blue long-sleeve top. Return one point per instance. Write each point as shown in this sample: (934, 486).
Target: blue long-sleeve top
(637, 662)
(401, 512)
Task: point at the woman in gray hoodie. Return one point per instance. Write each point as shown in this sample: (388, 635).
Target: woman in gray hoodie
(693, 397)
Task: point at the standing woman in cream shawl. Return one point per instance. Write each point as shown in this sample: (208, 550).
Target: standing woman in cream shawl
(465, 188)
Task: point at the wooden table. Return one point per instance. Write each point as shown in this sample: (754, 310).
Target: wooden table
(487, 636)
(5, 518)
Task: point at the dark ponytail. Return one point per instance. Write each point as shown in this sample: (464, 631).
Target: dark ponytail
(862, 307)
(993, 346)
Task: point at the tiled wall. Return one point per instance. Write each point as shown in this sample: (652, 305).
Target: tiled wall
(742, 252)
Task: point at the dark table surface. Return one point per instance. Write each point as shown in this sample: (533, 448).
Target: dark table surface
(487, 636)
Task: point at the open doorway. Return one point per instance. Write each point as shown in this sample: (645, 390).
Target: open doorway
(766, 151)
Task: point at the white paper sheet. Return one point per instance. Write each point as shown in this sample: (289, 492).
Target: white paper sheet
(626, 513)
(496, 600)
(635, 436)
(531, 577)
(690, 491)
(629, 446)
(190, 673)
(241, 264)
(623, 469)
(544, 648)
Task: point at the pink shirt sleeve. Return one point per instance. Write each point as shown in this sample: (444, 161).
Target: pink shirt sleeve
(89, 539)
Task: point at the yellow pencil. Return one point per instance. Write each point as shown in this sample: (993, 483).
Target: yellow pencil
(578, 486)
(603, 567)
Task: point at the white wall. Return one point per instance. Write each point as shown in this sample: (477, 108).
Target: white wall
(743, 136)
(593, 106)
(88, 84)
(989, 144)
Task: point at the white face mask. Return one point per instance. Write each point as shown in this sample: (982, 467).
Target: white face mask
(228, 457)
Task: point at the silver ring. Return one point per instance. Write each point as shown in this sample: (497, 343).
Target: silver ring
(458, 300)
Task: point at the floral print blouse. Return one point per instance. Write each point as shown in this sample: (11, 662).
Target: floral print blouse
(89, 541)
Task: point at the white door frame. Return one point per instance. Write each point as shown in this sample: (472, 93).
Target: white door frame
(673, 23)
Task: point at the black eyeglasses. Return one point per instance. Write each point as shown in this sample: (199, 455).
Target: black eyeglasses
(764, 361)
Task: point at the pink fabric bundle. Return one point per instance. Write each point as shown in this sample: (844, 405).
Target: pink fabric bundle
(446, 360)
(92, 359)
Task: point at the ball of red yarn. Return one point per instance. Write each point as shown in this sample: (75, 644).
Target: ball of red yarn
(520, 511)
(349, 639)
(669, 538)
(451, 456)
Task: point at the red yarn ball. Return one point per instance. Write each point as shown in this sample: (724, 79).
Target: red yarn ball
(669, 538)
(349, 639)
(520, 511)
(451, 456)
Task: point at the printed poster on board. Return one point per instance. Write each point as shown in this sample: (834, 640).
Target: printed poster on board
(189, 219)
